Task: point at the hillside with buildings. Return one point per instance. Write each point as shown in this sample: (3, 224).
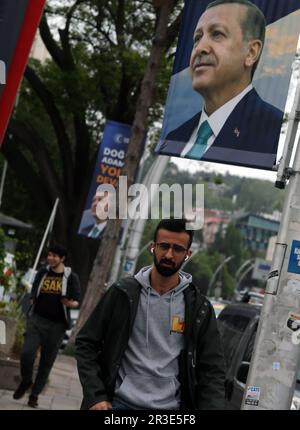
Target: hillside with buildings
(241, 221)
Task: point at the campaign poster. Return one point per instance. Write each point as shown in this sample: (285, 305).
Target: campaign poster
(294, 262)
(19, 21)
(229, 86)
(109, 164)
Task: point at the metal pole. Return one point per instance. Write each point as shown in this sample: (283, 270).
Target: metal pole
(241, 268)
(283, 173)
(48, 229)
(243, 274)
(272, 376)
(191, 257)
(212, 281)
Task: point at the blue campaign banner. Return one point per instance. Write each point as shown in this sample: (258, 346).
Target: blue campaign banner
(294, 262)
(216, 110)
(110, 161)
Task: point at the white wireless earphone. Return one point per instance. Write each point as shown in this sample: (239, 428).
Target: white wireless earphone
(186, 258)
(152, 250)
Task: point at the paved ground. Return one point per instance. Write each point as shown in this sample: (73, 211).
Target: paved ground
(63, 392)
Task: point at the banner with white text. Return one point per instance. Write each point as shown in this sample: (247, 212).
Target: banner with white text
(110, 161)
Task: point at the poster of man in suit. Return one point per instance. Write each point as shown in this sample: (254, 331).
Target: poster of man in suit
(110, 161)
(230, 83)
(94, 224)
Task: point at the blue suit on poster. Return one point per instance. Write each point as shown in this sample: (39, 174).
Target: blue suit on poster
(252, 127)
(211, 49)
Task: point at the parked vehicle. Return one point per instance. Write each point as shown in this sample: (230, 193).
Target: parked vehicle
(238, 326)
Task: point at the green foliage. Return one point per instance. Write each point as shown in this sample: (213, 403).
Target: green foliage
(218, 180)
(12, 310)
(233, 246)
(228, 283)
(24, 254)
(253, 195)
(218, 195)
(99, 52)
(7, 275)
(229, 245)
(2, 253)
(146, 258)
(202, 267)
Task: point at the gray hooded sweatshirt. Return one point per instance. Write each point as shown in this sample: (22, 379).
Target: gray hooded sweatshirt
(148, 375)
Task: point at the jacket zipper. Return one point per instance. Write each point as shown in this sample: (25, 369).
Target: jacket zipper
(192, 356)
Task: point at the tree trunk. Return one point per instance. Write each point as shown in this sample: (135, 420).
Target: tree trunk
(105, 255)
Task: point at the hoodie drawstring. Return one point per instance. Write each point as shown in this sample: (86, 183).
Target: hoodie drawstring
(171, 310)
(147, 316)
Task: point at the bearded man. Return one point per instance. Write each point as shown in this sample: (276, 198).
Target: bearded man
(152, 342)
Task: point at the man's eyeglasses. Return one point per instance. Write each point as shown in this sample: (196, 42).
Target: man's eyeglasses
(177, 249)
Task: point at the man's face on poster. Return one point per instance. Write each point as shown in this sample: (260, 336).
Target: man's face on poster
(221, 59)
(99, 206)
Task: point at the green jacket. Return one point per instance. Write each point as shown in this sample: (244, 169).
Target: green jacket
(102, 342)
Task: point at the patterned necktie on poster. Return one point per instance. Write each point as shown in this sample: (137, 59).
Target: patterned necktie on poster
(94, 232)
(200, 145)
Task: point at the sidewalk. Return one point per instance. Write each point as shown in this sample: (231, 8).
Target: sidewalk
(63, 392)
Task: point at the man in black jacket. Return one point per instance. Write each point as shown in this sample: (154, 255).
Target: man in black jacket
(152, 341)
(55, 291)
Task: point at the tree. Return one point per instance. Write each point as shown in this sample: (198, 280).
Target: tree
(233, 246)
(259, 196)
(99, 52)
(228, 284)
(107, 249)
(201, 267)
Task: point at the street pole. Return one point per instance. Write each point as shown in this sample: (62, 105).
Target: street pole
(283, 171)
(217, 271)
(243, 275)
(272, 375)
(242, 267)
(47, 231)
(238, 277)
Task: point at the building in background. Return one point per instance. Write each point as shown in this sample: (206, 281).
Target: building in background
(214, 222)
(256, 230)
